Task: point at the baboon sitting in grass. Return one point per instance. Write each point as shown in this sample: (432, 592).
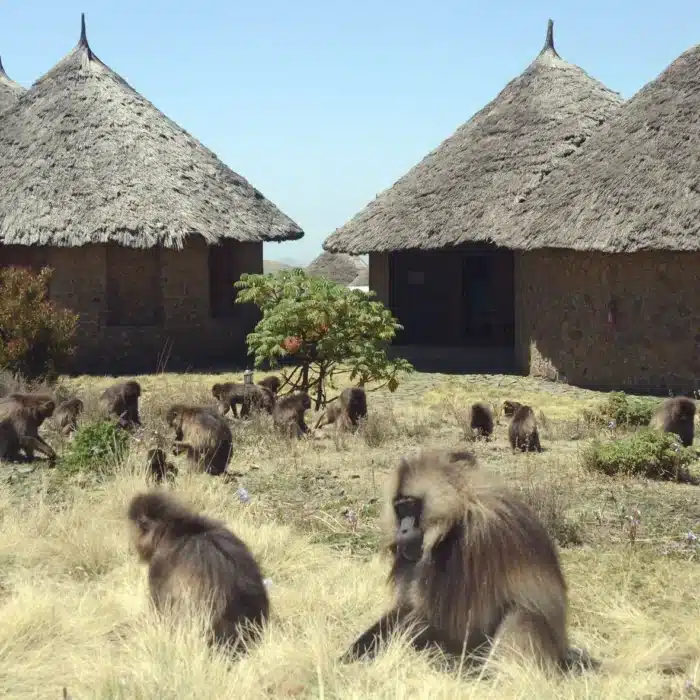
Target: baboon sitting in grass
(66, 416)
(288, 414)
(346, 411)
(522, 431)
(121, 400)
(481, 419)
(676, 415)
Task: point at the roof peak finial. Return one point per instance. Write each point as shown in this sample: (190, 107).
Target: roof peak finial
(2, 70)
(549, 39)
(83, 42)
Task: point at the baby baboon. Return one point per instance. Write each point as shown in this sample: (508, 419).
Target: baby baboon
(158, 466)
(522, 431)
(288, 414)
(349, 407)
(676, 415)
(122, 400)
(250, 397)
(193, 559)
(272, 384)
(203, 435)
(66, 415)
(482, 419)
(44, 404)
(471, 564)
(19, 429)
(510, 407)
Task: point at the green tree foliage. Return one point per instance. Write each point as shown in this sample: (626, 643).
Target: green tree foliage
(323, 328)
(36, 336)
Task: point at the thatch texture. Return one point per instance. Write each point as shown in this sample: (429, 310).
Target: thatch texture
(471, 187)
(85, 159)
(362, 280)
(339, 267)
(10, 91)
(636, 185)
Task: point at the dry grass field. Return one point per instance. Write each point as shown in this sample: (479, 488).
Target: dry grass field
(73, 598)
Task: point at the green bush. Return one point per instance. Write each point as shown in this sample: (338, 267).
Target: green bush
(621, 411)
(648, 453)
(95, 446)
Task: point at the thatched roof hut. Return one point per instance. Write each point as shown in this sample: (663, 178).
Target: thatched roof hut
(635, 186)
(339, 267)
(362, 279)
(10, 91)
(471, 187)
(85, 159)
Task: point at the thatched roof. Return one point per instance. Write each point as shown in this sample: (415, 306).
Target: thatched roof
(470, 188)
(10, 91)
(340, 268)
(85, 159)
(635, 186)
(362, 279)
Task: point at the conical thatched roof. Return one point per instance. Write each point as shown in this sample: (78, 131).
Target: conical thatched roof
(339, 267)
(636, 186)
(10, 91)
(85, 159)
(470, 188)
(362, 279)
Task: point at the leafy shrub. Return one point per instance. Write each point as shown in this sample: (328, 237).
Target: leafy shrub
(95, 444)
(621, 411)
(650, 453)
(36, 336)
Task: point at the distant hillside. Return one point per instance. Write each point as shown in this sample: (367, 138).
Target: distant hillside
(274, 266)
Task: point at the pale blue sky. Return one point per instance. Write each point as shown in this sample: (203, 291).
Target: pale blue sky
(321, 105)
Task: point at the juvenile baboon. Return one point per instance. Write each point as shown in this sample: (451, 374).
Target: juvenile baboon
(481, 420)
(158, 466)
(472, 565)
(272, 384)
(203, 435)
(66, 415)
(522, 431)
(193, 559)
(122, 400)
(510, 407)
(251, 397)
(43, 402)
(676, 415)
(288, 414)
(349, 407)
(19, 430)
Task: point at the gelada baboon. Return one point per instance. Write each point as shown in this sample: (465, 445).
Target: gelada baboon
(272, 384)
(347, 410)
(193, 559)
(19, 429)
(472, 566)
(203, 435)
(66, 415)
(158, 466)
(481, 419)
(676, 415)
(522, 431)
(43, 402)
(288, 414)
(510, 407)
(251, 397)
(122, 400)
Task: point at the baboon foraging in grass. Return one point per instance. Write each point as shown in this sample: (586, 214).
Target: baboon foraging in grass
(203, 435)
(522, 431)
(510, 407)
(66, 415)
(19, 430)
(676, 415)
(193, 559)
(122, 401)
(272, 384)
(481, 421)
(158, 466)
(472, 566)
(288, 414)
(250, 397)
(347, 410)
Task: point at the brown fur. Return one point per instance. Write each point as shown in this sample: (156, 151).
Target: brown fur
(195, 560)
(43, 402)
(510, 407)
(121, 400)
(20, 418)
(487, 570)
(677, 416)
(272, 384)
(158, 466)
(203, 435)
(288, 414)
(481, 421)
(522, 431)
(252, 397)
(347, 409)
(66, 415)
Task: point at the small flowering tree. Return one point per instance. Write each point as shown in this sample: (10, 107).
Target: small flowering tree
(36, 336)
(323, 329)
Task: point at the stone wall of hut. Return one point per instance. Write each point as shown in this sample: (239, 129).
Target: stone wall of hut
(143, 310)
(614, 322)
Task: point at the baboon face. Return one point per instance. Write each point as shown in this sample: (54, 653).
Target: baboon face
(142, 534)
(217, 390)
(174, 417)
(409, 534)
(510, 408)
(132, 390)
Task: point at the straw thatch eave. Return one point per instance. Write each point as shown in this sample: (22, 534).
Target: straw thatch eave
(338, 267)
(85, 159)
(10, 91)
(470, 188)
(636, 186)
